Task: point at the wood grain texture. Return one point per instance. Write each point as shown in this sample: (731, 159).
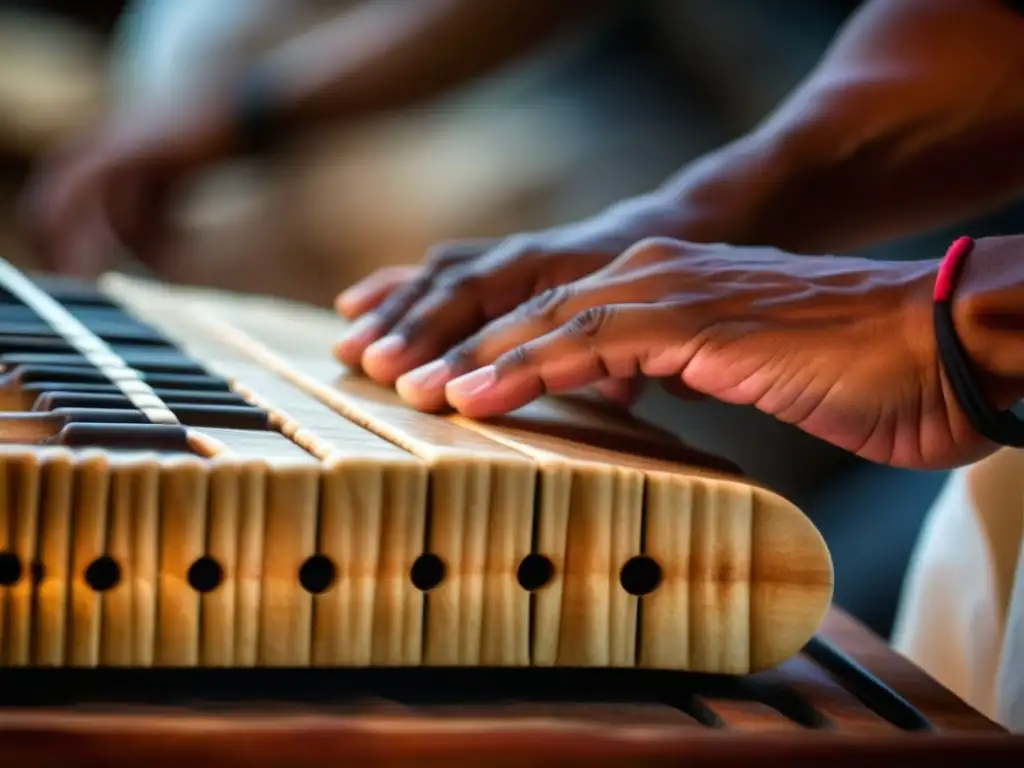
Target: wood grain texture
(744, 580)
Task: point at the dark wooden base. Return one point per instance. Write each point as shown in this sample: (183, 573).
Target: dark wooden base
(847, 700)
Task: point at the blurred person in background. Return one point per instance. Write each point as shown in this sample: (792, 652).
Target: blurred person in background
(419, 120)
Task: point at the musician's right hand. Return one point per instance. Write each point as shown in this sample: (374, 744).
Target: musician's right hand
(406, 316)
(109, 190)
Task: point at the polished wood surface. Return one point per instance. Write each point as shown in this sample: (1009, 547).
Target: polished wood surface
(382, 733)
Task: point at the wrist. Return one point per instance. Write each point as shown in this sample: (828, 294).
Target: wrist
(988, 314)
(247, 114)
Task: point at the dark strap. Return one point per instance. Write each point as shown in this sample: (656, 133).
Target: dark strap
(259, 126)
(1001, 427)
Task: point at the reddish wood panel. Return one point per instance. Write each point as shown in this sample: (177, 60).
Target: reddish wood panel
(384, 734)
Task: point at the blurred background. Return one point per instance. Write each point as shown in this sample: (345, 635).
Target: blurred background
(605, 112)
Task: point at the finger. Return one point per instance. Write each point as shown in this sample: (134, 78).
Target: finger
(454, 306)
(375, 322)
(609, 341)
(368, 293)
(424, 388)
(373, 325)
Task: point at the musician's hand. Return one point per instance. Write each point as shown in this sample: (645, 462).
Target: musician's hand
(109, 190)
(841, 347)
(408, 316)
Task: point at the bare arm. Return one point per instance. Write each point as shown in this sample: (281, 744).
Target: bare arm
(392, 53)
(912, 120)
(386, 55)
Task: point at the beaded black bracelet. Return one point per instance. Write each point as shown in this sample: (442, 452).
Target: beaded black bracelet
(1001, 427)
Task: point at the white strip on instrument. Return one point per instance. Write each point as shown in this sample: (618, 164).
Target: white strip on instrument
(265, 507)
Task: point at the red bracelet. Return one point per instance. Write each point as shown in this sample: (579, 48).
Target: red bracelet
(951, 267)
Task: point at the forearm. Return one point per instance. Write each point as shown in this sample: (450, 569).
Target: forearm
(384, 55)
(394, 53)
(911, 121)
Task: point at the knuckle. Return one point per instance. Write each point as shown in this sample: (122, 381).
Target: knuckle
(521, 244)
(445, 255)
(590, 322)
(409, 328)
(651, 250)
(517, 357)
(460, 281)
(461, 357)
(399, 302)
(545, 305)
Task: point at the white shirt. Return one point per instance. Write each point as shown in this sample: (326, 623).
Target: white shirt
(961, 617)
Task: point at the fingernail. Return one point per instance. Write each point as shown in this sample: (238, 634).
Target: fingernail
(429, 376)
(386, 347)
(362, 330)
(474, 383)
(353, 295)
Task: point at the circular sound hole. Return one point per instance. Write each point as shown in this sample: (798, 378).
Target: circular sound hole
(10, 569)
(427, 572)
(103, 573)
(205, 575)
(534, 572)
(640, 576)
(317, 574)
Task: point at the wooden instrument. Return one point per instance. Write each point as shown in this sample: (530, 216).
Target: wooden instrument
(191, 480)
(197, 504)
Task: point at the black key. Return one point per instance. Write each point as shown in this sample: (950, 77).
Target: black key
(29, 343)
(111, 317)
(78, 374)
(112, 334)
(71, 290)
(221, 416)
(136, 334)
(144, 437)
(28, 374)
(57, 395)
(127, 350)
(101, 416)
(18, 313)
(28, 327)
(153, 362)
(53, 401)
(204, 383)
(44, 387)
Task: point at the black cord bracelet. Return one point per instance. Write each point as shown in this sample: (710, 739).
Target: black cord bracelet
(259, 125)
(1001, 427)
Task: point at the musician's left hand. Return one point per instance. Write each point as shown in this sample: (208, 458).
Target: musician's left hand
(841, 347)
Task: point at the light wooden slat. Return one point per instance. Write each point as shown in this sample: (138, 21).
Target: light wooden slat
(473, 481)
(19, 513)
